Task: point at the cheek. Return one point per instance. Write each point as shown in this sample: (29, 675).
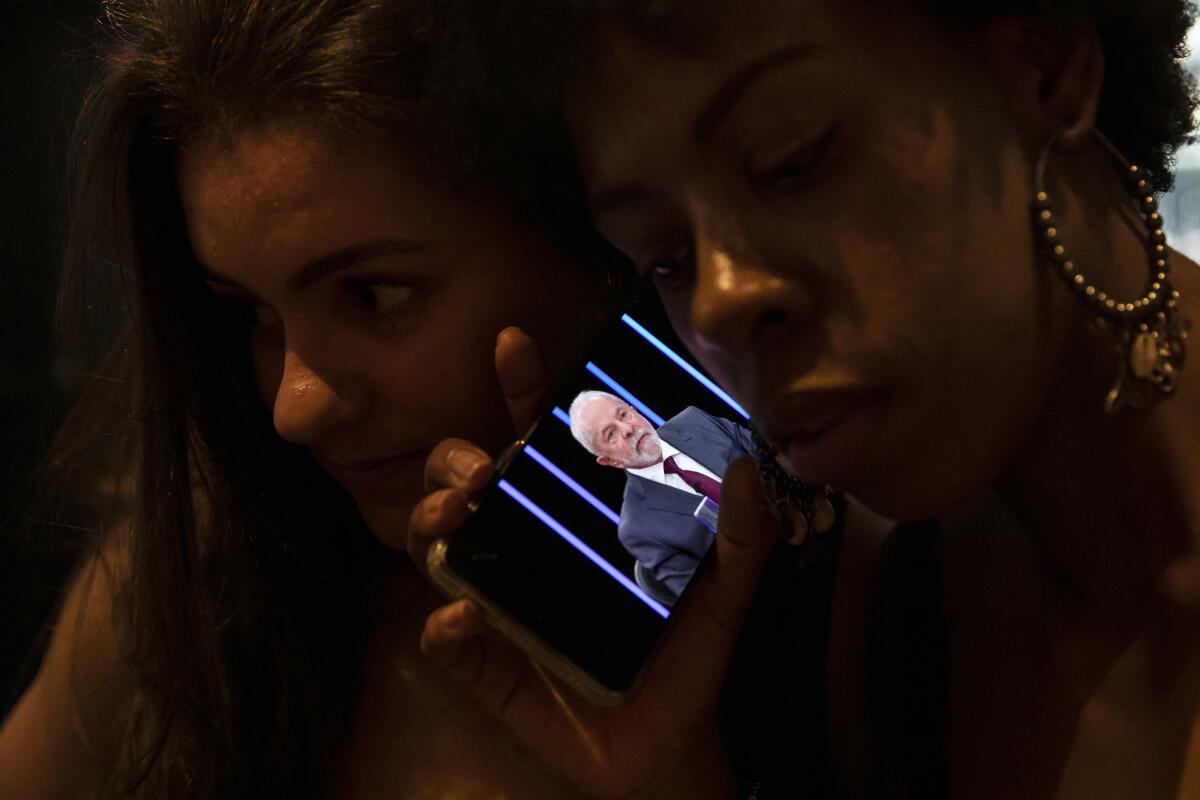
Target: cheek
(939, 248)
(920, 147)
(266, 360)
(439, 380)
(678, 305)
(562, 303)
(443, 381)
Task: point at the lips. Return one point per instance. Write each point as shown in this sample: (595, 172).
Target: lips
(826, 434)
(372, 477)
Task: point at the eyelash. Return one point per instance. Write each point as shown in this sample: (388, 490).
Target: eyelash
(791, 173)
(361, 290)
(794, 171)
(673, 270)
(610, 434)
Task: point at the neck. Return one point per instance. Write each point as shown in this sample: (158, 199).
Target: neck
(1114, 500)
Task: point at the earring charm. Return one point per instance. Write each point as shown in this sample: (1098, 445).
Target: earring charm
(1147, 332)
(801, 508)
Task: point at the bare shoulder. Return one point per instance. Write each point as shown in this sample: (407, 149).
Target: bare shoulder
(50, 743)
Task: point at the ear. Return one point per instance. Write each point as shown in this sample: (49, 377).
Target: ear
(605, 461)
(1055, 83)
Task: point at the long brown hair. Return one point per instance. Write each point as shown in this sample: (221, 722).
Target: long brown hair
(236, 607)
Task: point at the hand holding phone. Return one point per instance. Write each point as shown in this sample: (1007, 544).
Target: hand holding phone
(663, 741)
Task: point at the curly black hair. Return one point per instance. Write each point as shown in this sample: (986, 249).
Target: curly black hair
(1147, 106)
(1148, 103)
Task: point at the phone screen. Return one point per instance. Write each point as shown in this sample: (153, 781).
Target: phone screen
(593, 529)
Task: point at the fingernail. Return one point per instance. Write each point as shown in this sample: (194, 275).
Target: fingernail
(442, 647)
(509, 337)
(448, 499)
(464, 462)
(456, 619)
(824, 516)
(799, 530)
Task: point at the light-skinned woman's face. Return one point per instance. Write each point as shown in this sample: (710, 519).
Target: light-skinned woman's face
(376, 293)
(836, 208)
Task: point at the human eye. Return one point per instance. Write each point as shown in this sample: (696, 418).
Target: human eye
(674, 268)
(656, 236)
(791, 169)
(380, 295)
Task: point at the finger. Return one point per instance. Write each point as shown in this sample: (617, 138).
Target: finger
(446, 636)
(457, 464)
(492, 669)
(437, 516)
(682, 683)
(522, 376)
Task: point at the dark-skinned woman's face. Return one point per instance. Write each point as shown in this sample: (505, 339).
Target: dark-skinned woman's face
(834, 200)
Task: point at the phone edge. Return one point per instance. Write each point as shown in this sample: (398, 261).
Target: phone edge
(565, 669)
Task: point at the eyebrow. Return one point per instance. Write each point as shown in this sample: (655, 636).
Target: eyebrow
(334, 261)
(723, 101)
(713, 114)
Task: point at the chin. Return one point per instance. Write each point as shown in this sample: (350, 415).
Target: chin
(388, 521)
(913, 494)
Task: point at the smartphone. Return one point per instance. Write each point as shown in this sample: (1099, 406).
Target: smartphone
(597, 519)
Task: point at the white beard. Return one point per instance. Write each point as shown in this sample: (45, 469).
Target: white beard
(638, 460)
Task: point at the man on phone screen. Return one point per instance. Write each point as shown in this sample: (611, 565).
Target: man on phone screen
(669, 472)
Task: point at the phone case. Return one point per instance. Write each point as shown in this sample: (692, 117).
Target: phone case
(445, 579)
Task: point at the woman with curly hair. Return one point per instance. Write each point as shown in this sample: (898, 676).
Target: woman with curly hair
(920, 242)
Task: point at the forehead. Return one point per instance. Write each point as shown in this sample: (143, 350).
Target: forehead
(282, 192)
(632, 66)
(639, 89)
(601, 408)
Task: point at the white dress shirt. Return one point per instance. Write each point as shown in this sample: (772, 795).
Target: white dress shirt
(658, 474)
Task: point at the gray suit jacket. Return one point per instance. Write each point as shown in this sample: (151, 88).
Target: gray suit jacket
(657, 526)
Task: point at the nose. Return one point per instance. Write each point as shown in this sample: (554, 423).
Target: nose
(308, 403)
(739, 298)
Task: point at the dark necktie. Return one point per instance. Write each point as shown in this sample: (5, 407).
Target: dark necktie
(697, 480)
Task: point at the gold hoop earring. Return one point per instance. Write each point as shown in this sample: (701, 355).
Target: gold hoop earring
(1148, 332)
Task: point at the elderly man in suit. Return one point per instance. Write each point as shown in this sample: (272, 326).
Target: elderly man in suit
(669, 472)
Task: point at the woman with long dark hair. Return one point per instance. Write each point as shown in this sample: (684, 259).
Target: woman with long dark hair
(313, 267)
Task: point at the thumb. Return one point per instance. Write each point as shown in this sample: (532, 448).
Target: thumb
(522, 376)
(682, 684)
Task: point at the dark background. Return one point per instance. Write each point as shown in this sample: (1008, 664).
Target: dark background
(46, 60)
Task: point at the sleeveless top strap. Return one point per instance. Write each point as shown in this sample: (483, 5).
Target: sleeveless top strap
(773, 705)
(906, 668)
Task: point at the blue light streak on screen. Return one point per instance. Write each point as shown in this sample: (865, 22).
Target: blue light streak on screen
(572, 484)
(621, 390)
(684, 365)
(554, 525)
(563, 416)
